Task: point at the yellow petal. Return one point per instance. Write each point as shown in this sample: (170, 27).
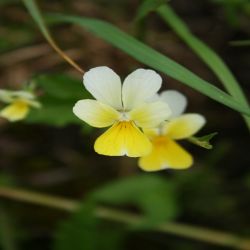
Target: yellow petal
(151, 132)
(165, 153)
(123, 138)
(149, 115)
(184, 126)
(95, 113)
(16, 111)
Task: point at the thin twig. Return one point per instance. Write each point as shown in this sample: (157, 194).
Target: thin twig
(53, 60)
(191, 232)
(63, 55)
(37, 16)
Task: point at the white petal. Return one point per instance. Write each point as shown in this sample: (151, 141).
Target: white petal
(9, 96)
(184, 126)
(105, 85)
(150, 115)
(95, 113)
(176, 101)
(140, 86)
(155, 98)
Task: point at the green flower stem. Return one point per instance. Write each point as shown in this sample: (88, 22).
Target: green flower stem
(38, 199)
(192, 232)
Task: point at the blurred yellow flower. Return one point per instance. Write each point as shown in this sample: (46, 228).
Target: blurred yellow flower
(125, 108)
(166, 153)
(19, 103)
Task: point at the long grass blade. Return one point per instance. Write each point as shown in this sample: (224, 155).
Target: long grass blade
(150, 57)
(138, 50)
(214, 62)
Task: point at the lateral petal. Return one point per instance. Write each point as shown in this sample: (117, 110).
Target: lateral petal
(184, 126)
(140, 86)
(105, 85)
(165, 153)
(95, 113)
(123, 138)
(149, 115)
(16, 111)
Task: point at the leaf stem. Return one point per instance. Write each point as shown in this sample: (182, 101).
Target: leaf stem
(179, 229)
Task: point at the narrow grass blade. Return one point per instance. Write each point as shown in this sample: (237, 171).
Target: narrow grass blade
(214, 62)
(150, 57)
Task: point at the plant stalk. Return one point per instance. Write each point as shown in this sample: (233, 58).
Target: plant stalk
(178, 229)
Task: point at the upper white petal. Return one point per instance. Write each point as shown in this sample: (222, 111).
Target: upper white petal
(12, 95)
(95, 113)
(105, 85)
(140, 86)
(176, 101)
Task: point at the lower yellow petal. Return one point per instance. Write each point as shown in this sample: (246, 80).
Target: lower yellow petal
(165, 153)
(123, 138)
(16, 111)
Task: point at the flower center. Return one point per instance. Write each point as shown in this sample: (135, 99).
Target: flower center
(124, 116)
(160, 140)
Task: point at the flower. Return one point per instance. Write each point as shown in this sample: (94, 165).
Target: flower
(166, 153)
(126, 108)
(19, 104)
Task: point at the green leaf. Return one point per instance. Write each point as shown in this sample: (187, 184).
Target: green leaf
(55, 112)
(150, 57)
(203, 141)
(213, 61)
(62, 86)
(151, 194)
(59, 94)
(83, 231)
(6, 179)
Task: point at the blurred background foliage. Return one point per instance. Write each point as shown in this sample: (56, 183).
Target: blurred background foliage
(52, 151)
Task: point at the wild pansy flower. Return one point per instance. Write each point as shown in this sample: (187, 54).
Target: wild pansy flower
(125, 107)
(19, 103)
(166, 153)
